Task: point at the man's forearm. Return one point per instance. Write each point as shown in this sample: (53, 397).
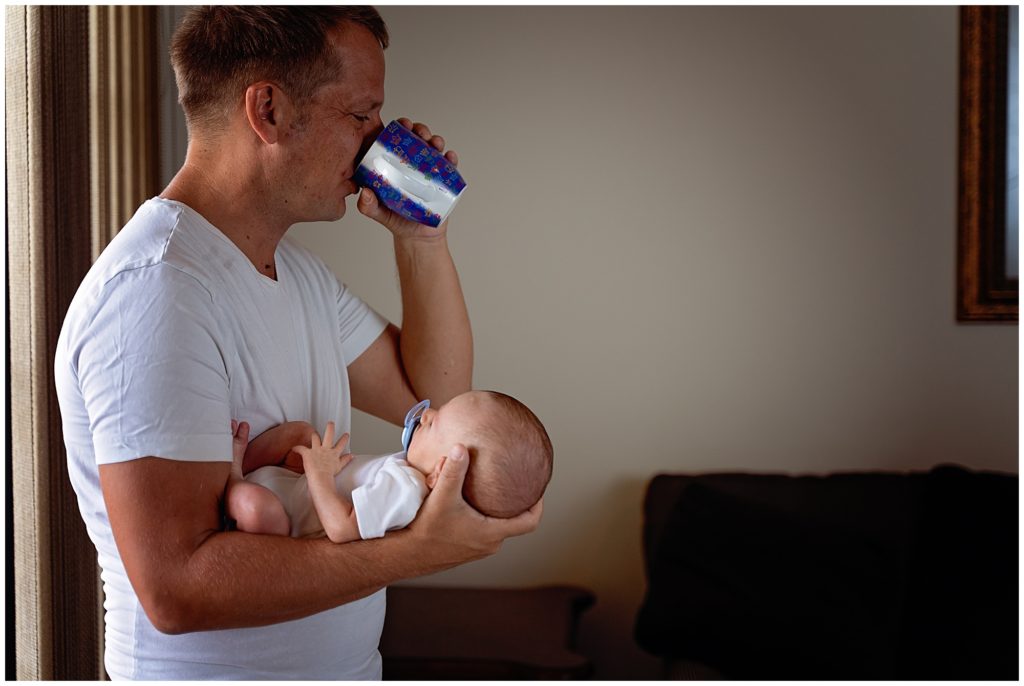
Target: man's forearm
(238, 580)
(189, 576)
(437, 341)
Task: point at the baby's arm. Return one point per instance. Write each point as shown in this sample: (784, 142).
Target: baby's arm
(274, 447)
(322, 462)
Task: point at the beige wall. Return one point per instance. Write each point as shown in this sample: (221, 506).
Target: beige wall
(696, 239)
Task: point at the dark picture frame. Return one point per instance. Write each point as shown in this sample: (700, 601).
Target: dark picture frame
(985, 289)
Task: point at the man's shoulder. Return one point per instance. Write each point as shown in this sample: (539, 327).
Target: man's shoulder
(157, 271)
(158, 242)
(140, 242)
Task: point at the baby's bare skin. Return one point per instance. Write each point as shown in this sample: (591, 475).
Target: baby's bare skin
(257, 510)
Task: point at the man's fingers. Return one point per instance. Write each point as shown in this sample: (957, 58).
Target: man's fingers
(422, 130)
(524, 523)
(329, 434)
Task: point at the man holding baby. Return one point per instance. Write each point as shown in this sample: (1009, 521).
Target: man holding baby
(201, 311)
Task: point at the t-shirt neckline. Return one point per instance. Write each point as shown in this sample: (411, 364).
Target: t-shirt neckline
(206, 224)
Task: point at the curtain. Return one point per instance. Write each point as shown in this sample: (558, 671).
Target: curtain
(67, 191)
(124, 115)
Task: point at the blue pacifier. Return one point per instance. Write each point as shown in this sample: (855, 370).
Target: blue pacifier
(412, 422)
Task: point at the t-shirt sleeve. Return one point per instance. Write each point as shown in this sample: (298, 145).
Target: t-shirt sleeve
(359, 324)
(390, 501)
(152, 370)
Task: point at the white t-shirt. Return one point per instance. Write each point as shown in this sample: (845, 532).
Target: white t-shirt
(172, 334)
(386, 493)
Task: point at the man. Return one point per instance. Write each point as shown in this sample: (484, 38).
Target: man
(200, 312)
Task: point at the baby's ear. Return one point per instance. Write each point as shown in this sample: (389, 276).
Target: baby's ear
(435, 473)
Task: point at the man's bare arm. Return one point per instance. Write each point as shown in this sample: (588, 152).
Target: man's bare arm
(190, 576)
(377, 379)
(431, 356)
(437, 340)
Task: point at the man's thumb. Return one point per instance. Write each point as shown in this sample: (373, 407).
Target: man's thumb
(453, 473)
(367, 202)
(370, 206)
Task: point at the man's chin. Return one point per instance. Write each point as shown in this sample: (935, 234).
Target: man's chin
(335, 213)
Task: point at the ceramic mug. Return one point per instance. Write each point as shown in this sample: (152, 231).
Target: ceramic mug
(410, 176)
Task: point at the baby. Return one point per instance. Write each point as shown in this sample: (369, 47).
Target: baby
(352, 497)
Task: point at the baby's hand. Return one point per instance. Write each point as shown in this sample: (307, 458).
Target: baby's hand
(324, 458)
(239, 442)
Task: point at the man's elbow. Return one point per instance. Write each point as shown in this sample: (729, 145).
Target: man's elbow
(173, 614)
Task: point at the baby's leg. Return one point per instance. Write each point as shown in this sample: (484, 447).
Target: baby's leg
(255, 509)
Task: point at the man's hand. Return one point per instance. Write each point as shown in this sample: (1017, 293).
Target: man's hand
(327, 457)
(453, 530)
(432, 355)
(401, 227)
(165, 517)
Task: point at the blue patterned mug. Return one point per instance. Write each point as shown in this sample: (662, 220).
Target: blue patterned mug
(410, 176)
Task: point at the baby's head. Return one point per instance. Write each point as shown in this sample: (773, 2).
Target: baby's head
(509, 451)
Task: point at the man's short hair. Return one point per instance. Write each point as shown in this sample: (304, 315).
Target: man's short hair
(218, 51)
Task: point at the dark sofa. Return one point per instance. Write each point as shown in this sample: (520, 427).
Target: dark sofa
(846, 576)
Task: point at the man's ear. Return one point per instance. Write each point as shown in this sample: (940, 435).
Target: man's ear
(435, 474)
(267, 108)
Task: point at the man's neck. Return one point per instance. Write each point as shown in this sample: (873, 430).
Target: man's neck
(234, 203)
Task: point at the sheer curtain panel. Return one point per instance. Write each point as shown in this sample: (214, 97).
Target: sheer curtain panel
(68, 189)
